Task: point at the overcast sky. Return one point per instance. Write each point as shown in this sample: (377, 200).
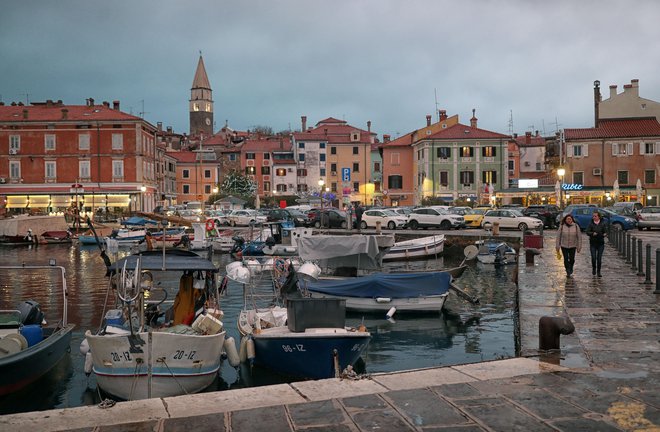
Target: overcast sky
(391, 62)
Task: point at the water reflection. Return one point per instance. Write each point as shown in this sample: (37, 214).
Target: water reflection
(463, 333)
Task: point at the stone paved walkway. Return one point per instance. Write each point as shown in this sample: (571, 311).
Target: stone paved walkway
(604, 379)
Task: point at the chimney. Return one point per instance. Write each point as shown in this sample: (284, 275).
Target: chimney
(612, 91)
(304, 123)
(528, 137)
(91, 101)
(515, 135)
(159, 125)
(443, 115)
(537, 133)
(597, 99)
(473, 120)
(25, 114)
(369, 126)
(106, 104)
(635, 86)
(49, 102)
(169, 129)
(428, 120)
(115, 105)
(386, 138)
(65, 114)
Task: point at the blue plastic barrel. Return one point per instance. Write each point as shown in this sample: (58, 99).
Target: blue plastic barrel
(33, 333)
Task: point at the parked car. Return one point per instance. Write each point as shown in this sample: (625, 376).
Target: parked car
(219, 217)
(245, 217)
(547, 213)
(510, 218)
(330, 218)
(403, 211)
(472, 217)
(569, 209)
(191, 215)
(624, 211)
(387, 218)
(649, 217)
(582, 216)
(428, 217)
(635, 206)
(299, 218)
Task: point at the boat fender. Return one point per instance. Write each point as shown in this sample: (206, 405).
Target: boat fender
(362, 328)
(242, 350)
(84, 346)
(390, 313)
(250, 350)
(89, 363)
(383, 299)
(232, 352)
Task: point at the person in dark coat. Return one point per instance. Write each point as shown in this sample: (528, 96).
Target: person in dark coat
(358, 215)
(596, 231)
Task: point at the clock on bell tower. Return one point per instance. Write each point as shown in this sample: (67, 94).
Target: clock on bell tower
(201, 102)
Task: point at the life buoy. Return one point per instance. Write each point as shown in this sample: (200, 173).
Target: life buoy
(210, 225)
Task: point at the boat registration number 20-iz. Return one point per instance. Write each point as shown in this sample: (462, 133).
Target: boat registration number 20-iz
(178, 355)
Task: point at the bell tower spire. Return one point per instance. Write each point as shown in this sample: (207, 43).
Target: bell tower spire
(201, 102)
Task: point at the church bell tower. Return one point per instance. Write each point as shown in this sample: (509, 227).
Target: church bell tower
(201, 102)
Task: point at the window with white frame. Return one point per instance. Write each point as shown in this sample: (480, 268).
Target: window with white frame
(280, 188)
(647, 148)
(622, 177)
(207, 173)
(117, 141)
(577, 150)
(14, 169)
(50, 169)
(207, 189)
(84, 170)
(622, 149)
(118, 169)
(49, 142)
(83, 141)
(14, 142)
(186, 189)
(185, 173)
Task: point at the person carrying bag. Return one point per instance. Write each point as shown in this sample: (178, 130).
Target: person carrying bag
(569, 239)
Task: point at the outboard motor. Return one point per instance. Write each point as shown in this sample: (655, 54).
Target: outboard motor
(237, 250)
(30, 312)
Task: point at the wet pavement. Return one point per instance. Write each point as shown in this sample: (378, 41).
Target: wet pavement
(605, 377)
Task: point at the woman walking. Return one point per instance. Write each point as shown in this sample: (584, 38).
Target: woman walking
(569, 240)
(596, 231)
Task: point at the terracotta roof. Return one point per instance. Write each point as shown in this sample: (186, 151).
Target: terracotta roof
(183, 156)
(617, 128)
(402, 141)
(54, 113)
(266, 145)
(534, 141)
(461, 131)
(330, 120)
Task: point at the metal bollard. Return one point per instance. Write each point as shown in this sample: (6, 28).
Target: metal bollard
(628, 247)
(648, 265)
(657, 271)
(634, 253)
(622, 239)
(549, 330)
(640, 268)
(377, 227)
(620, 242)
(612, 236)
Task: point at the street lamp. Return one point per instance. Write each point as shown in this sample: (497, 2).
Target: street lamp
(321, 183)
(561, 172)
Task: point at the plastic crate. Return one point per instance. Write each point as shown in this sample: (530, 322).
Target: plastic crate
(307, 313)
(533, 241)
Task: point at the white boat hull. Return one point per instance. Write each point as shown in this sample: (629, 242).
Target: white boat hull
(410, 304)
(416, 248)
(179, 363)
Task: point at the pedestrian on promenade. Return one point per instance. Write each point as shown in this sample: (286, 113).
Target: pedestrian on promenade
(596, 231)
(358, 215)
(569, 239)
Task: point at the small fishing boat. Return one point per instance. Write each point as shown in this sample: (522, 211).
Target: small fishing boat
(419, 248)
(28, 347)
(28, 239)
(495, 252)
(380, 292)
(307, 338)
(142, 351)
(56, 237)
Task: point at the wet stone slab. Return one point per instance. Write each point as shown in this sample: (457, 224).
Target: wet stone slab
(214, 422)
(266, 419)
(584, 424)
(366, 402)
(506, 417)
(545, 405)
(456, 391)
(146, 426)
(424, 408)
(317, 414)
(381, 420)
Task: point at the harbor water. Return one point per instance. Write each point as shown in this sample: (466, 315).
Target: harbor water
(463, 333)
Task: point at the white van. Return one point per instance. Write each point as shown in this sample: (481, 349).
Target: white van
(195, 206)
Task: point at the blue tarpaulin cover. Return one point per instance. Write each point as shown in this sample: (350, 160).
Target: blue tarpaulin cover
(138, 221)
(392, 285)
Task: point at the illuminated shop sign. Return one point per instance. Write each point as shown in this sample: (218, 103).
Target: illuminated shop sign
(572, 186)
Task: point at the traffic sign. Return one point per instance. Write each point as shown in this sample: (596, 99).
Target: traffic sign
(346, 174)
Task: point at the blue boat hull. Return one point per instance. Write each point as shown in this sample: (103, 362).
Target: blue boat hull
(302, 355)
(20, 369)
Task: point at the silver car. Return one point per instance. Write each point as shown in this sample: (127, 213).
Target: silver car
(649, 217)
